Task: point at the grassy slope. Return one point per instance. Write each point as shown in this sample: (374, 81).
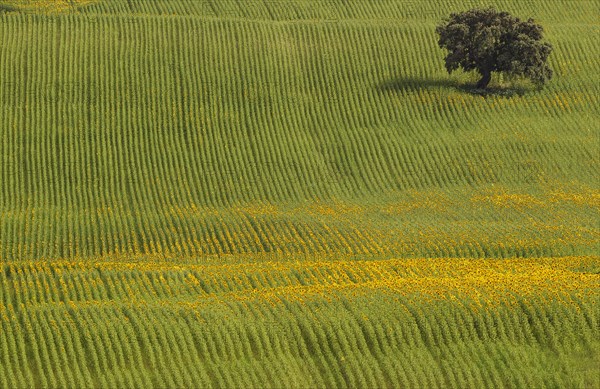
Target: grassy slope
(293, 135)
(134, 131)
(298, 323)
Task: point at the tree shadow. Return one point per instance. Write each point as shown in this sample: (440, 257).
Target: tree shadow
(406, 84)
(497, 90)
(5, 8)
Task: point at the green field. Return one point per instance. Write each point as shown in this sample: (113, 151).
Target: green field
(238, 194)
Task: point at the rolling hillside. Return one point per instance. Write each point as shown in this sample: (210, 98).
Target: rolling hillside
(292, 193)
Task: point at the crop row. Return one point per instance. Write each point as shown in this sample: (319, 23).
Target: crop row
(340, 324)
(302, 10)
(493, 281)
(139, 133)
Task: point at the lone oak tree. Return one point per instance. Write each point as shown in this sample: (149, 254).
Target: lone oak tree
(489, 41)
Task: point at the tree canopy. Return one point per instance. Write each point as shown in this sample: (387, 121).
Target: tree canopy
(487, 40)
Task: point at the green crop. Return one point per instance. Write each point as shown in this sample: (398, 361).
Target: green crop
(224, 133)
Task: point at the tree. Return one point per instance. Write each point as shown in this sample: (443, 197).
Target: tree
(489, 41)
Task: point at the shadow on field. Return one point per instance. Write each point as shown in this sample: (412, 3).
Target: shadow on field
(7, 8)
(403, 84)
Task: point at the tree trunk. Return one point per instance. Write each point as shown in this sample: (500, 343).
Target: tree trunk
(485, 80)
